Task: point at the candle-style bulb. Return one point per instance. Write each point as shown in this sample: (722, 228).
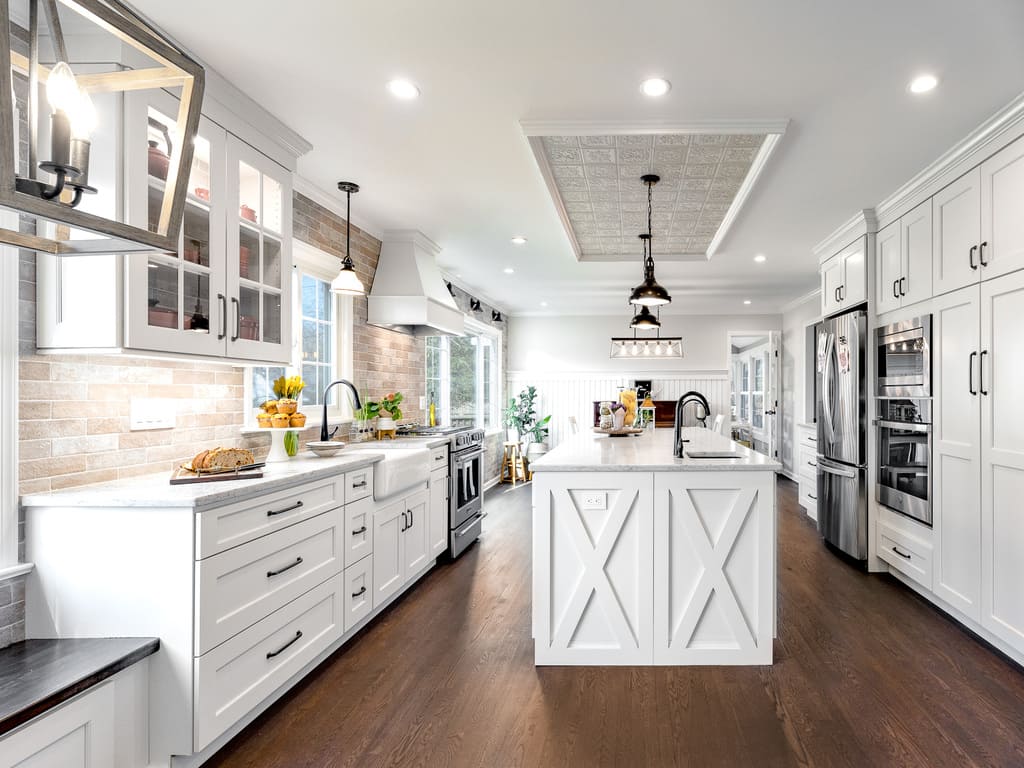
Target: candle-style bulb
(83, 117)
(61, 88)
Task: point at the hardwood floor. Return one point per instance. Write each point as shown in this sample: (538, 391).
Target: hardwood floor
(866, 674)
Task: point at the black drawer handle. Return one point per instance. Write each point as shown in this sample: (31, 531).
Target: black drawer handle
(901, 554)
(903, 281)
(362, 591)
(970, 254)
(981, 372)
(361, 530)
(359, 485)
(812, 496)
(981, 254)
(283, 648)
(272, 513)
(279, 571)
(895, 291)
(811, 464)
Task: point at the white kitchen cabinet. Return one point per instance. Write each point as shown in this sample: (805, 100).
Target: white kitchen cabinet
(400, 544)
(956, 452)
(903, 274)
(358, 592)
(888, 268)
(956, 233)
(358, 530)
(805, 455)
(438, 526)
(1002, 458)
(1001, 250)
(844, 279)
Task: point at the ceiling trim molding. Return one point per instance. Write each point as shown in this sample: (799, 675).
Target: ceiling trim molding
(984, 141)
(861, 223)
(770, 141)
(533, 128)
(332, 203)
(801, 300)
(537, 147)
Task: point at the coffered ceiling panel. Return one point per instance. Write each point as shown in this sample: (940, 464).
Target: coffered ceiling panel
(595, 182)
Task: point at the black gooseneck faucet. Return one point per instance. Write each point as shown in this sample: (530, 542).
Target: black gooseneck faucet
(326, 435)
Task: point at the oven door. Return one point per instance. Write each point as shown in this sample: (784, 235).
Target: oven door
(904, 482)
(467, 481)
(904, 359)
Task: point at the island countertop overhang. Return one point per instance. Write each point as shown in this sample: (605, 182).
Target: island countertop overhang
(650, 452)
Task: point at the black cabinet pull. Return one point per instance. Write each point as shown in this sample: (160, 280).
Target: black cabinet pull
(837, 295)
(981, 254)
(811, 464)
(362, 591)
(812, 496)
(283, 648)
(405, 521)
(359, 485)
(238, 318)
(895, 293)
(903, 281)
(981, 373)
(842, 292)
(359, 531)
(273, 512)
(223, 316)
(970, 373)
(279, 571)
(412, 519)
(971, 253)
(901, 554)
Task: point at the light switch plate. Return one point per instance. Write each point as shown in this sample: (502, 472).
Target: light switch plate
(594, 500)
(151, 413)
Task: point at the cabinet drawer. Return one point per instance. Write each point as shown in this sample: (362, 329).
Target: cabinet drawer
(228, 526)
(237, 588)
(358, 592)
(237, 675)
(906, 554)
(358, 530)
(807, 467)
(358, 484)
(439, 458)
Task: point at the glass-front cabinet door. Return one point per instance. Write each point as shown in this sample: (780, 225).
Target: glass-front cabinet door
(176, 303)
(259, 255)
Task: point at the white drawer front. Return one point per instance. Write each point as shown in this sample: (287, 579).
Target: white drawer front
(358, 530)
(439, 458)
(906, 555)
(239, 587)
(236, 676)
(807, 466)
(358, 484)
(358, 592)
(228, 526)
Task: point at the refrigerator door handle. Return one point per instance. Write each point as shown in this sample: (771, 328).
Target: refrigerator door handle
(833, 470)
(826, 395)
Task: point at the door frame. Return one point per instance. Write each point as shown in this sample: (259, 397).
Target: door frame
(773, 383)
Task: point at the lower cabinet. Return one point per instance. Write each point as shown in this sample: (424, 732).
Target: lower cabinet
(358, 592)
(439, 500)
(806, 457)
(400, 530)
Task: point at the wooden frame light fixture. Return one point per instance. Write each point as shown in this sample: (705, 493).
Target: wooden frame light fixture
(57, 175)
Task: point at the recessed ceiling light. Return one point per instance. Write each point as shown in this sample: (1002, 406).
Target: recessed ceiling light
(403, 89)
(923, 83)
(655, 86)
(543, 303)
(746, 301)
(519, 240)
(509, 270)
(760, 258)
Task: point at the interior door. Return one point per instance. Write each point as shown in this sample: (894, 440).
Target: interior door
(956, 459)
(1002, 226)
(956, 233)
(772, 395)
(388, 551)
(1002, 458)
(889, 268)
(417, 533)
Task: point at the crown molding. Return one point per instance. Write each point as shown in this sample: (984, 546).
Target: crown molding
(537, 147)
(533, 128)
(861, 223)
(801, 300)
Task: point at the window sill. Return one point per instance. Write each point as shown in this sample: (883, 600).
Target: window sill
(13, 571)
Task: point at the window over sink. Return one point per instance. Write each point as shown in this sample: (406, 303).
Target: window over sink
(463, 375)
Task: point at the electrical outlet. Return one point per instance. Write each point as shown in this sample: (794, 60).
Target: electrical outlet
(594, 500)
(423, 402)
(151, 413)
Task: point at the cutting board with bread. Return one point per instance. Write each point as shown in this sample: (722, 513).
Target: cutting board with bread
(218, 464)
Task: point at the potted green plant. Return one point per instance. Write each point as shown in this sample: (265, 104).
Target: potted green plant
(388, 410)
(521, 416)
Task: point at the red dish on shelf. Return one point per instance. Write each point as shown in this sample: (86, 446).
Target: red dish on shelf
(249, 328)
(163, 318)
(247, 213)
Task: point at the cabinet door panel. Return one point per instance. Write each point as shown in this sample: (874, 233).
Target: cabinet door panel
(438, 512)
(916, 247)
(831, 282)
(956, 228)
(855, 275)
(1002, 200)
(417, 535)
(1002, 459)
(388, 551)
(889, 268)
(957, 450)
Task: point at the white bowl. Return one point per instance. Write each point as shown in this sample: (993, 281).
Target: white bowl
(325, 449)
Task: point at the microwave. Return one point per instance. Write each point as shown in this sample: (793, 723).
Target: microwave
(903, 362)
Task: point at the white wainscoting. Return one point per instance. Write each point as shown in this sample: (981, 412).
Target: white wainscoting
(573, 394)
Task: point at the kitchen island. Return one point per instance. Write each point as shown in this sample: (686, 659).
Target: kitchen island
(640, 558)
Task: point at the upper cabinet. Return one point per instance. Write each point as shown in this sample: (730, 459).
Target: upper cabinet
(225, 293)
(844, 279)
(903, 267)
(956, 227)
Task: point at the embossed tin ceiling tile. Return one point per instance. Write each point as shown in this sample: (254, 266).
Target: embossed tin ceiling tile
(560, 141)
(688, 206)
(719, 196)
(706, 229)
(672, 156)
(567, 183)
(746, 140)
(634, 155)
(704, 155)
(710, 140)
(739, 155)
(598, 156)
(699, 170)
(603, 183)
(633, 205)
(574, 195)
(690, 185)
(671, 140)
(565, 156)
(726, 183)
(603, 171)
(604, 196)
(567, 171)
(631, 174)
(713, 207)
(734, 170)
(597, 141)
(628, 140)
(582, 206)
(692, 197)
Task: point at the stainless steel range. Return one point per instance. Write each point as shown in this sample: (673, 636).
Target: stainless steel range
(465, 482)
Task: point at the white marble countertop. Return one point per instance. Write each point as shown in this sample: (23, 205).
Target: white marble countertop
(650, 452)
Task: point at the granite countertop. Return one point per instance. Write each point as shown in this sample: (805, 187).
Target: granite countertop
(37, 675)
(650, 452)
(156, 490)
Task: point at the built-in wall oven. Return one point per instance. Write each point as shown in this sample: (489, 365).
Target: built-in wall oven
(904, 480)
(903, 366)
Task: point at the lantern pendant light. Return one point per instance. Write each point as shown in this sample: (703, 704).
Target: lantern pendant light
(649, 293)
(347, 283)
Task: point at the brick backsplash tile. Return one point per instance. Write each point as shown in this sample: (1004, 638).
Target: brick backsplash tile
(70, 446)
(48, 428)
(83, 478)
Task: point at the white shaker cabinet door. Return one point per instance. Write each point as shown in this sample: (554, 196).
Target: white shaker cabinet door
(1002, 201)
(1002, 458)
(956, 232)
(916, 248)
(889, 270)
(855, 274)
(388, 551)
(438, 527)
(417, 533)
(831, 285)
(957, 450)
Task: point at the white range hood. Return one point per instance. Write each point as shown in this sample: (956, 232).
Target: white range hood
(408, 294)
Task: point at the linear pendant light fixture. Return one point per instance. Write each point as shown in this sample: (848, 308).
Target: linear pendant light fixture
(649, 293)
(347, 283)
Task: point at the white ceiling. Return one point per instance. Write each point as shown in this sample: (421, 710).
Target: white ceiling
(456, 165)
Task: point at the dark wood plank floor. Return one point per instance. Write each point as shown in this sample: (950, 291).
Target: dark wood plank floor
(866, 674)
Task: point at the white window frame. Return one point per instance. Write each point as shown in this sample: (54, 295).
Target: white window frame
(9, 259)
(476, 328)
(309, 260)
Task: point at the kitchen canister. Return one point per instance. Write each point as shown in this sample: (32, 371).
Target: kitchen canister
(606, 421)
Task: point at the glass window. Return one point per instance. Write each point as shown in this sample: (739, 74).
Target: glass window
(462, 377)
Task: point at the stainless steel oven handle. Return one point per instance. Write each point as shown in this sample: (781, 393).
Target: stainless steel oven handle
(472, 521)
(847, 473)
(907, 426)
(911, 334)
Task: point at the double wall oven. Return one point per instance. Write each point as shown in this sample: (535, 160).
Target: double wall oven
(904, 418)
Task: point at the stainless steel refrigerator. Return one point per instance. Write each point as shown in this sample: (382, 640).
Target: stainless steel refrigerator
(841, 368)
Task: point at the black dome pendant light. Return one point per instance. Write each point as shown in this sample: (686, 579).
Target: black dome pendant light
(644, 320)
(649, 293)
